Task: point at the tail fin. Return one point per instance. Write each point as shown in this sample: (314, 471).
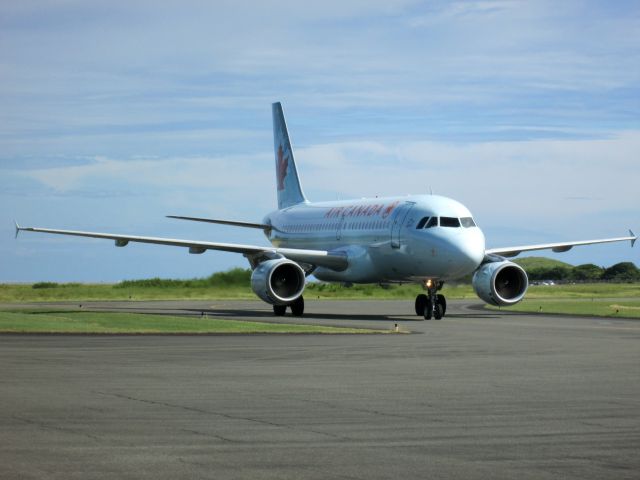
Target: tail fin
(289, 189)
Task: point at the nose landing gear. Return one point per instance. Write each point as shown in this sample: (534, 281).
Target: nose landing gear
(433, 304)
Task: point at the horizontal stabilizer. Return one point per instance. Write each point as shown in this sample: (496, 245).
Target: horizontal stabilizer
(261, 226)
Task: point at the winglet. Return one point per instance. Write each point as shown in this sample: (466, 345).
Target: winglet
(633, 240)
(17, 228)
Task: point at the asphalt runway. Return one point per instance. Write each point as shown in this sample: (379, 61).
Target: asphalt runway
(477, 395)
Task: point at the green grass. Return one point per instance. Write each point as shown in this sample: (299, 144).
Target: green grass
(585, 290)
(621, 308)
(360, 292)
(599, 299)
(40, 321)
(87, 292)
(15, 293)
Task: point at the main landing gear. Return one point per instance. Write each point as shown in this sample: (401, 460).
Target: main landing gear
(297, 308)
(433, 304)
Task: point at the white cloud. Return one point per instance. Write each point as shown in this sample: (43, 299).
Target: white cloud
(503, 180)
(194, 172)
(527, 178)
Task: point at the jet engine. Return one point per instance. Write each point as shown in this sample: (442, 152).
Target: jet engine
(278, 281)
(500, 283)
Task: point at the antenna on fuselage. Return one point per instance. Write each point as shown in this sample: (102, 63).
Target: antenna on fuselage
(430, 190)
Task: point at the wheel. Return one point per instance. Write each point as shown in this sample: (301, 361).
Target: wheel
(421, 301)
(279, 310)
(427, 311)
(297, 307)
(438, 312)
(442, 301)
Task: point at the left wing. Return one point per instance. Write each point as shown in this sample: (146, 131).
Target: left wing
(556, 247)
(334, 260)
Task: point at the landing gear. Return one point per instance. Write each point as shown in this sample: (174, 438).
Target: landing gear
(421, 303)
(440, 300)
(433, 304)
(297, 308)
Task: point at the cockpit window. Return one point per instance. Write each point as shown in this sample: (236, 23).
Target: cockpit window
(467, 222)
(421, 223)
(449, 222)
(433, 222)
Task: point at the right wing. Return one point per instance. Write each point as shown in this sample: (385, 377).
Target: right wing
(556, 247)
(333, 260)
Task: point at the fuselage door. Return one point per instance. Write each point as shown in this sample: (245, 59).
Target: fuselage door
(399, 219)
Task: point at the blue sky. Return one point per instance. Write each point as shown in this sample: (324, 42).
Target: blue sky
(117, 114)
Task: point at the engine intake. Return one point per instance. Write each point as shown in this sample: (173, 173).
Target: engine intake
(278, 281)
(500, 283)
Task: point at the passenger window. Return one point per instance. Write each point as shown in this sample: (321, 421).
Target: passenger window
(449, 222)
(433, 222)
(467, 222)
(421, 223)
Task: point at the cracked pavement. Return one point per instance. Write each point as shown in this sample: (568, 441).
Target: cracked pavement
(478, 395)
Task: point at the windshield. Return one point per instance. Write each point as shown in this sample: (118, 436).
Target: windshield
(467, 222)
(449, 222)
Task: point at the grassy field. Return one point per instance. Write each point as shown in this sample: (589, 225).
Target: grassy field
(604, 299)
(36, 321)
(621, 308)
(585, 291)
(599, 299)
(86, 292)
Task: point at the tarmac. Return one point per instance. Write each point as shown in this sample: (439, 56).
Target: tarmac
(480, 394)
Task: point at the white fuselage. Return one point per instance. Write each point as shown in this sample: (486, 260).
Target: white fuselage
(385, 239)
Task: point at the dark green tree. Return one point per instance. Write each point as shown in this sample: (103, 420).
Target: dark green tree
(622, 272)
(587, 272)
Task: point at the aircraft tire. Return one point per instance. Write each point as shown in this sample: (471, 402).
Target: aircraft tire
(421, 303)
(297, 307)
(442, 301)
(427, 311)
(279, 310)
(438, 313)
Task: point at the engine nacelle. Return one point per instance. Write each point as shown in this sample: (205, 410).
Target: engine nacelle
(278, 282)
(500, 283)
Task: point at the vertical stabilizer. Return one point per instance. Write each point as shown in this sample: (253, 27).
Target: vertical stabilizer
(288, 183)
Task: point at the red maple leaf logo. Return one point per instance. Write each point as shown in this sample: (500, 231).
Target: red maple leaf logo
(281, 167)
(389, 209)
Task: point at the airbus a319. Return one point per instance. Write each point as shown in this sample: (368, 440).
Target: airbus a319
(426, 239)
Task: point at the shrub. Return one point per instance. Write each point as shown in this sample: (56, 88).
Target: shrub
(45, 285)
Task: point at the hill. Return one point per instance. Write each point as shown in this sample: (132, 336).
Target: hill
(540, 262)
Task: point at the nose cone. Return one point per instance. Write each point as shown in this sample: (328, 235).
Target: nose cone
(466, 251)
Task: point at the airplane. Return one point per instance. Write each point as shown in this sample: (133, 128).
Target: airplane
(426, 239)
